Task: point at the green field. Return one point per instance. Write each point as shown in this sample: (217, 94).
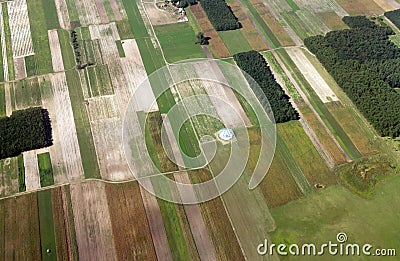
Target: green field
(27, 93)
(293, 5)
(7, 35)
(235, 41)
(66, 49)
(338, 132)
(30, 64)
(73, 13)
(2, 100)
(320, 216)
(124, 30)
(37, 17)
(9, 174)
(46, 225)
(178, 42)
(45, 170)
(84, 133)
(121, 51)
(50, 13)
(296, 24)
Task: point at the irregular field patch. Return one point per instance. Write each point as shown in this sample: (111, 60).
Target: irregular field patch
(332, 20)
(360, 7)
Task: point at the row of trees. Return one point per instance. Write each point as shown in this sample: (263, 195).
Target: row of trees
(25, 130)
(184, 3)
(356, 66)
(394, 16)
(255, 65)
(220, 15)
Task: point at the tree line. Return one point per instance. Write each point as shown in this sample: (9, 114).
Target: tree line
(364, 62)
(255, 65)
(25, 130)
(220, 15)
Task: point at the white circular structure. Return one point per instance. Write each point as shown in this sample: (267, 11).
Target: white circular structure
(226, 134)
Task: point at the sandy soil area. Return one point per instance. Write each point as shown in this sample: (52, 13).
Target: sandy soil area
(158, 16)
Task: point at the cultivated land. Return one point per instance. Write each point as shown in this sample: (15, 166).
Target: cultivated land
(78, 198)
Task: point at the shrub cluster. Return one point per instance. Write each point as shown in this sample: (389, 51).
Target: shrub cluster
(255, 65)
(24, 130)
(365, 67)
(220, 15)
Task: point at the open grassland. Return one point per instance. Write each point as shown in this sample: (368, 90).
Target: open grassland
(66, 49)
(361, 7)
(313, 166)
(20, 216)
(217, 46)
(322, 134)
(178, 42)
(50, 14)
(338, 132)
(235, 41)
(320, 216)
(83, 130)
(8, 176)
(217, 221)
(46, 225)
(39, 27)
(332, 20)
(26, 93)
(129, 222)
(248, 29)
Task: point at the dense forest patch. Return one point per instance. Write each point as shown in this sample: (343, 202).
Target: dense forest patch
(255, 65)
(394, 16)
(220, 15)
(364, 62)
(24, 130)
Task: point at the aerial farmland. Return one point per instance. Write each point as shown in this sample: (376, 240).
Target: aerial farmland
(199, 130)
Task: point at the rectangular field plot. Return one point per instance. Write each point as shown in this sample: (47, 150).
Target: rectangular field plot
(8, 176)
(332, 20)
(26, 93)
(361, 7)
(45, 170)
(20, 28)
(178, 42)
(235, 41)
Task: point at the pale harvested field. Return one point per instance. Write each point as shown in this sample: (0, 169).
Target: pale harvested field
(159, 17)
(20, 28)
(129, 222)
(114, 29)
(87, 12)
(56, 55)
(66, 127)
(8, 99)
(319, 85)
(3, 46)
(106, 127)
(156, 224)
(93, 229)
(20, 70)
(32, 179)
(313, 23)
(116, 10)
(102, 11)
(322, 6)
(63, 14)
(388, 5)
(135, 73)
(222, 97)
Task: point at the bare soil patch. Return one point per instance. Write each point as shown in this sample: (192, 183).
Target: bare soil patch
(32, 179)
(159, 17)
(20, 70)
(55, 49)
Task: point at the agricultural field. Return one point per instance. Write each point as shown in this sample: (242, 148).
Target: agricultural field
(116, 140)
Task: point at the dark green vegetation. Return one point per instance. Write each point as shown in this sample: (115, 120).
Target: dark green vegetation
(24, 130)
(50, 13)
(45, 170)
(46, 225)
(121, 51)
(394, 16)
(220, 15)
(178, 42)
(293, 5)
(21, 174)
(354, 57)
(255, 65)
